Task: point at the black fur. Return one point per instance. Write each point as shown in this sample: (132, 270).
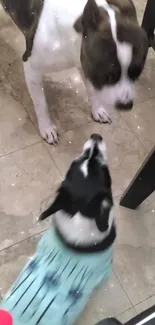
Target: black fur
(78, 193)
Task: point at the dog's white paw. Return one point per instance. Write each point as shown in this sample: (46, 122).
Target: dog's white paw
(48, 132)
(100, 115)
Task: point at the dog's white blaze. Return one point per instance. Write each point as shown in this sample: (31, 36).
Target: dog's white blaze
(80, 230)
(103, 150)
(102, 158)
(84, 168)
(124, 50)
(105, 203)
(124, 53)
(88, 144)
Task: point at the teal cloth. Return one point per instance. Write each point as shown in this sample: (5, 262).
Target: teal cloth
(57, 283)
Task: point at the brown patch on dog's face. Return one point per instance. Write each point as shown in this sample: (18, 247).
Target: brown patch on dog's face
(98, 52)
(99, 59)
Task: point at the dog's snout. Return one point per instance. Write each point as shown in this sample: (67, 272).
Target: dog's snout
(126, 106)
(96, 137)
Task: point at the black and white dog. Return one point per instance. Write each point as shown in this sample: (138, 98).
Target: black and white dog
(83, 209)
(75, 255)
(104, 34)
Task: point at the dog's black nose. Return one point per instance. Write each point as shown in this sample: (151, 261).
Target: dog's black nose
(96, 137)
(122, 106)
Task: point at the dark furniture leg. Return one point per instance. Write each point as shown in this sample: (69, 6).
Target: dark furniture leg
(148, 22)
(142, 185)
(147, 318)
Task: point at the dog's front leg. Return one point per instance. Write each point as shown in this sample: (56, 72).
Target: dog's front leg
(98, 111)
(34, 80)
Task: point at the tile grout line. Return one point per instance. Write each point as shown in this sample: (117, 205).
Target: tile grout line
(126, 311)
(144, 300)
(134, 306)
(17, 150)
(21, 241)
(133, 132)
(123, 288)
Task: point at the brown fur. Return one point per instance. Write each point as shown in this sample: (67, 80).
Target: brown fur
(98, 53)
(126, 8)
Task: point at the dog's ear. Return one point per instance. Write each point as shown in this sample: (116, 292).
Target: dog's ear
(91, 17)
(61, 202)
(53, 208)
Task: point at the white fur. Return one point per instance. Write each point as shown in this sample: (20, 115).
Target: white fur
(84, 168)
(102, 158)
(80, 230)
(57, 47)
(101, 146)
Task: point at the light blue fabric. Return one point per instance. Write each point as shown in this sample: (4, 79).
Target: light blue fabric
(55, 286)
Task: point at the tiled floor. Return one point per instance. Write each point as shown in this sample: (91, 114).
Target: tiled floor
(31, 170)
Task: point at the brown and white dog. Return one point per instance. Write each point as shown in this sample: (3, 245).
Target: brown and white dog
(112, 45)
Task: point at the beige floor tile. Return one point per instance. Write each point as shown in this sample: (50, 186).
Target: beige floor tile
(140, 7)
(16, 129)
(145, 305)
(67, 99)
(141, 122)
(124, 151)
(7, 53)
(127, 315)
(13, 39)
(65, 93)
(135, 253)
(109, 300)
(15, 74)
(5, 21)
(13, 259)
(145, 85)
(12, 42)
(28, 178)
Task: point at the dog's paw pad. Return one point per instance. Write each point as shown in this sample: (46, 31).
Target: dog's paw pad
(100, 115)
